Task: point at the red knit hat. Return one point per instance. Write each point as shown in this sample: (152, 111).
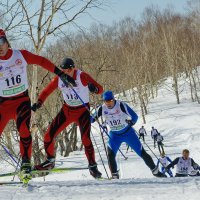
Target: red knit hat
(2, 33)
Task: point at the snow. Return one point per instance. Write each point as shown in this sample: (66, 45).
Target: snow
(179, 124)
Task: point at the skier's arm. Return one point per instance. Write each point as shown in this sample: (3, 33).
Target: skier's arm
(173, 163)
(86, 79)
(126, 109)
(169, 159)
(38, 60)
(195, 165)
(48, 90)
(46, 64)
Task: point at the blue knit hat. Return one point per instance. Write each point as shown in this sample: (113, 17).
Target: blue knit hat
(108, 95)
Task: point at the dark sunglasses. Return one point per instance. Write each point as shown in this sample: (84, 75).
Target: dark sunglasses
(2, 40)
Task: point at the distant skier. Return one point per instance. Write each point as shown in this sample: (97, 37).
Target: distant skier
(142, 132)
(184, 165)
(120, 118)
(159, 140)
(72, 110)
(164, 162)
(154, 133)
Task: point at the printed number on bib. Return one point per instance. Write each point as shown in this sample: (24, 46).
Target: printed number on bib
(13, 80)
(71, 96)
(115, 122)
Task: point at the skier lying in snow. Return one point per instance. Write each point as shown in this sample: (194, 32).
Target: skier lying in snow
(185, 166)
(164, 162)
(116, 114)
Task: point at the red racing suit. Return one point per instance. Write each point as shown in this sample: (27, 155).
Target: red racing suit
(18, 105)
(69, 114)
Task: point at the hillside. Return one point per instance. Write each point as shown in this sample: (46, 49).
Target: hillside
(179, 124)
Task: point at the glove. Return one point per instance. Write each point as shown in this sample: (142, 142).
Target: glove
(196, 166)
(130, 122)
(67, 79)
(36, 106)
(92, 88)
(92, 119)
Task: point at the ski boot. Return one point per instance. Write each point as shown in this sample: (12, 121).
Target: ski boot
(157, 173)
(25, 172)
(94, 171)
(115, 175)
(47, 165)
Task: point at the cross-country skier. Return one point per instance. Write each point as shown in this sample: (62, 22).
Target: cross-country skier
(154, 133)
(142, 132)
(164, 162)
(14, 99)
(159, 140)
(120, 118)
(184, 165)
(72, 110)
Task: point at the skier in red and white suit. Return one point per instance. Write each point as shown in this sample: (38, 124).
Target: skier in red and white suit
(14, 100)
(72, 110)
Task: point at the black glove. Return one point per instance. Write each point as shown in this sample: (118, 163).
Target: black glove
(92, 88)
(64, 77)
(67, 79)
(130, 122)
(36, 106)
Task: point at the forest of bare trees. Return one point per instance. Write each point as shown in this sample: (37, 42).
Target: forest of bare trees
(129, 54)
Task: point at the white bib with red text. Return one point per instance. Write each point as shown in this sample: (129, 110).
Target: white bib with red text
(13, 75)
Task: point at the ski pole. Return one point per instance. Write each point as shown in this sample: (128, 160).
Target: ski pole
(101, 127)
(84, 104)
(154, 154)
(100, 155)
(16, 167)
(8, 152)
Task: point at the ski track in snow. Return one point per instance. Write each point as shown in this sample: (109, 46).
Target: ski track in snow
(179, 124)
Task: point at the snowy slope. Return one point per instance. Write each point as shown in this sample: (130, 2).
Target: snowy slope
(180, 126)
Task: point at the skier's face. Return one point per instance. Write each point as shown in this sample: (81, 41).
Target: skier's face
(3, 47)
(69, 71)
(186, 155)
(110, 103)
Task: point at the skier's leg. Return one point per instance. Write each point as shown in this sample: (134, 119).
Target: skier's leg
(113, 147)
(4, 116)
(60, 122)
(132, 140)
(85, 128)
(159, 148)
(163, 170)
(127, 148)
(162, 148)
(170, 173)
(154, 141)
(143, 137)
(23, 116)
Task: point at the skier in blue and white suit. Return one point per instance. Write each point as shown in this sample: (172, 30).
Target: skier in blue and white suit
(120, 118)
(164, 161)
